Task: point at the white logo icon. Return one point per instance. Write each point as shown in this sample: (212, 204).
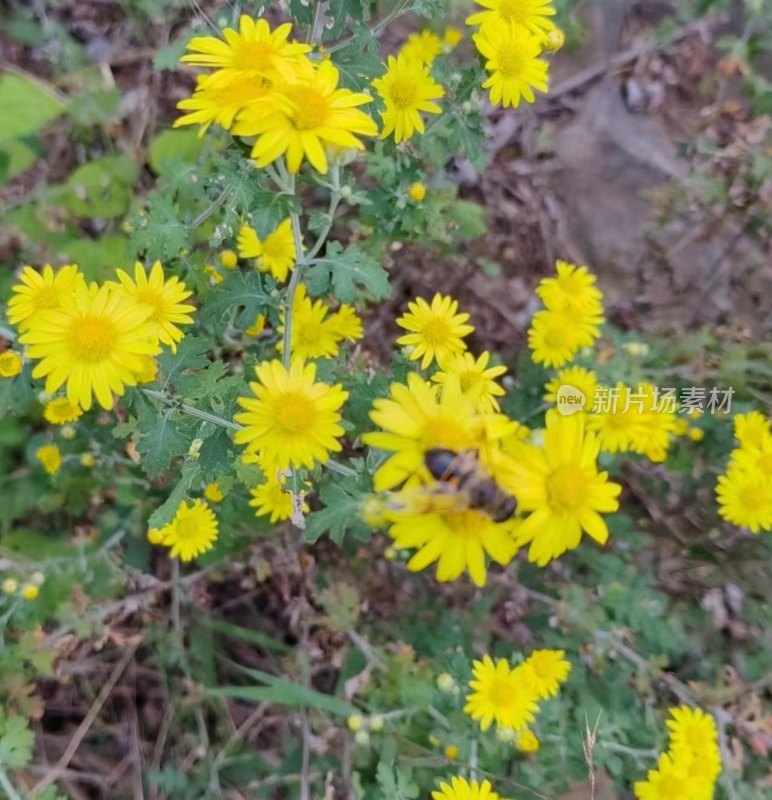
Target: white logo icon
(570, 400)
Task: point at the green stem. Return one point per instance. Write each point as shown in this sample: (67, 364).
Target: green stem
(397, 11)
(335, 199)
(5, 782)
(168, 400)
(207, 212)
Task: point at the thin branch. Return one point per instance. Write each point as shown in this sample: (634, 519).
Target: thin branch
(88, 721)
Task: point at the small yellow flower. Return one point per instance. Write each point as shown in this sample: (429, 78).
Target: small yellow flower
(423, 46)
(274, 499)
(292, 420)
(215, 277)
(355, 722)
(527, 742)
(41, 291)
(584, 381)
(751, 428)
(148, 370)
(416, 191)
(435, 332)
(30, 591)
(532, 15)
(453, 36)
(213, 492)
(192, 532)
(681, 427)
(275, 254)
(696, 434)
(544, 671)
(229, 259)
(155, 536)
(10, 586)
(451, 752)
(462, 789)
(745, 498)
(87, 460)
(50, 458)
(476, 378)
(555, 337)
(554, 40)
(499, 694)
(376, 723)
(11, 364)
(61, 411)
(407, 88)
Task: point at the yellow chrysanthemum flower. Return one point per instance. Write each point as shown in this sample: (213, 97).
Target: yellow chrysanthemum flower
(346, 324)
(229, 259)
(560, 484)
(30, 591)
(512, 58)
(316, 333)
(751, 428)
(303, 117)
(477, 379)
(148, 370)
(293, 420)
(407, 88)
(49, 457)
(584, 381)
(554, 40)
(213, 492)
(273, 499)
(458, 542)
(544, 671)
(423, 46)
(452, 36)
(41, 291)
(527, 742)
(462, 789)
(417, 192)
(415, 418)
(218, 98)
(94, 343)
(275, 254)
(745, 499)
(499, 694)
(668, 781)
(534, 15)
(555, 338)
(253, 49)
(436, 331)
(163, 298)
(573, 291)
(11, 364)
(693, 731)
(191, 533)
(617, 425)
(657, 424)
(756, 459)
(60, 411)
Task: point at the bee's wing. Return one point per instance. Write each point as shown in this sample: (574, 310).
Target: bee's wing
(440, 499)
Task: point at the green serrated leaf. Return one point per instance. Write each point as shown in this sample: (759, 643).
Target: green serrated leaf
(190, 355)
(339, 515)
(242, 291)
(160, 440)
(349, 273)
(216, 454)
(159, 233)
(166, 511)
(16, 740)
(28, 105)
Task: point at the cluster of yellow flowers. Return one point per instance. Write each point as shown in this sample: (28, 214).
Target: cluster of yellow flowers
(95, 339)
(27, 590)
(744, 491)
(625, 419)
(508, 697)
(692, 764)
(559, 490)
(264, 85)
(511, 38)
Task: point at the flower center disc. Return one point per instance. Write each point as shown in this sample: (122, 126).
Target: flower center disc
(91, 338)
(436, 331)
(567, 488)
(502, 692)
(403, 93)
(510, 63)
(187, 528)
(310, 108)
(152, 299)
(753, 497)
(294, 414)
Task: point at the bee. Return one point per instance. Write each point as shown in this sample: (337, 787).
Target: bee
(461, 475)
